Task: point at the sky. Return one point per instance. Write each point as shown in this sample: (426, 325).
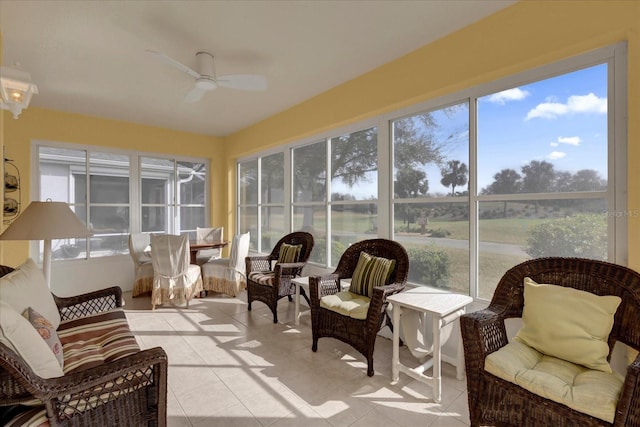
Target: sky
(561, 120)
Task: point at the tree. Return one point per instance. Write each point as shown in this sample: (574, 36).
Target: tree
(563, 181)
(507, 181)
(587, 180)
(539, 177)
(454, 175)
(409, 183)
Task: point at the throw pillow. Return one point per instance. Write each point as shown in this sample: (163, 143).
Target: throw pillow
(568, 323)
(25, 287)
(47, 332)
(17, 333)
(289, 253)
(371, 271)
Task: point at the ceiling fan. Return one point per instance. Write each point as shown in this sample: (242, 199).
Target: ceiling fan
(206, 80)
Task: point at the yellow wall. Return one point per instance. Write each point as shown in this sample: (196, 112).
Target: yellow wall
(521, 37)
(42, 124)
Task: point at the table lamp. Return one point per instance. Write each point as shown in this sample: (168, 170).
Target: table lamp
(46, 221)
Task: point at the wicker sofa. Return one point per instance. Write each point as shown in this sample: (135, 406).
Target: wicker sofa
(107, 379)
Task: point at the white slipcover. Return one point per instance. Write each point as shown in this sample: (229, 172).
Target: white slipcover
(175, 280)
(209, 235)
(143, 276)
(227, 275)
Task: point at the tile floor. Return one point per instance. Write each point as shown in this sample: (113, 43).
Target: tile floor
(232, 367)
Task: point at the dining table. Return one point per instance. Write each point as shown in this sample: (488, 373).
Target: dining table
(196, 245)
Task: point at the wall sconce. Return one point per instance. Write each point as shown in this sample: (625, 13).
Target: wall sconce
(16, 90)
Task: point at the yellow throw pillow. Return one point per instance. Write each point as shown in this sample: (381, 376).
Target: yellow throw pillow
(568, 323)
(370, 272)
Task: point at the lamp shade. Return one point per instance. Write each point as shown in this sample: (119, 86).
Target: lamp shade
(46, 220)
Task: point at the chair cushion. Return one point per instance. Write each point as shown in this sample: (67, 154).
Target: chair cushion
(289, 253)
(29, 417)
(92, 340)
(20, 336)
(262, 277)
(589, 391)
(46, 331)
(25, 287)
(568, 323)
(347, 303)
(371, 271)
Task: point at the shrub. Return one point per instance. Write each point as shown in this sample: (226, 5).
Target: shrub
(429, 266)
(583, 235)
(319, 253)
(440, 232)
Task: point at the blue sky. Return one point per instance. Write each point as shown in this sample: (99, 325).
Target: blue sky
(561, 120)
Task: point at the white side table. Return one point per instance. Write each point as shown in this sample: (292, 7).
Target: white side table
(444, 308)
(304, 283)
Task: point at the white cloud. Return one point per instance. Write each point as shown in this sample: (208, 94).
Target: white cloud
(571, 140)
(576, 104)
(515, 94)
(553, 144)
(554, 155)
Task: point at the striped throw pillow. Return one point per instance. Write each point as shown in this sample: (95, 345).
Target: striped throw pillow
(371, 271)
(289, 253)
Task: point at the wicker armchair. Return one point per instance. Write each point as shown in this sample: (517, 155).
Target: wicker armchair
(128, 391)
(360, 334)
(268, 284)
(494, 401)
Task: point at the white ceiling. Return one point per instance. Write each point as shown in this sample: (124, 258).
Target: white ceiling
(89, 57)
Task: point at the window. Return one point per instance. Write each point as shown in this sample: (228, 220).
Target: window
(341, 204)
(548, 140)
(475, 182)
(431, 197)
(99, 187)
(173, 195)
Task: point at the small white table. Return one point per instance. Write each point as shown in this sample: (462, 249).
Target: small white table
(304, 283)
(444, 308)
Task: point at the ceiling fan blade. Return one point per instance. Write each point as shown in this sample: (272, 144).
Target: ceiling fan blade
(243, 81)
(194, 95)
(180, 66)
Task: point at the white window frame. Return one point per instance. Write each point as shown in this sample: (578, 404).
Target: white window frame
(135, 183)
(616, 58)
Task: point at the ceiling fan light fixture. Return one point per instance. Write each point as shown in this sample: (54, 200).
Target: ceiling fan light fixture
(206, 83)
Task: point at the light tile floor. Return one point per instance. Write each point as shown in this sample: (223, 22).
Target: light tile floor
(232, 367)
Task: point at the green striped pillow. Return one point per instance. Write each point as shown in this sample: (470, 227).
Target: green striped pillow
(371, 271)
(289, 253)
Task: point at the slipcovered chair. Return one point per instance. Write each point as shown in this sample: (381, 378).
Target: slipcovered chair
(226, 275)
(143, 275)
(555, 371)
(377, 268)
(175, 281)
(209, 235)
(268, 283)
